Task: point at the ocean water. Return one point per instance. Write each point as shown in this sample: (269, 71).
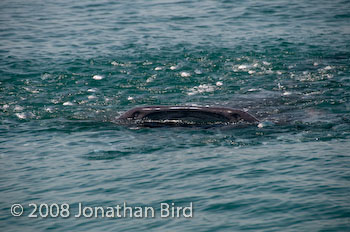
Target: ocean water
(69, 68)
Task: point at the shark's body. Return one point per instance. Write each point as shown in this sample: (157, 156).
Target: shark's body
(155, 116)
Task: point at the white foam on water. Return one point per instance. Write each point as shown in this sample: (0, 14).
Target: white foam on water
(251, 71)
(329, 76)
(173, 67)
(242, 67)
(130, 98)
(185, 74)
(18, 108)
(91, 97)
(5, 107)
(115, 63)
(265, 124)
(197, 71)
(45, 76)
(93, 90)
(219, 83)
(68, 103)
(313, 93)
(280, 86)
(151, 78)
(49, 109)
(21, 115)
(97, 77)
(30, 90)
(158, 68)
(204, 88)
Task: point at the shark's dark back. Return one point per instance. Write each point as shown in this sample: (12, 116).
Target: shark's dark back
(185, 116)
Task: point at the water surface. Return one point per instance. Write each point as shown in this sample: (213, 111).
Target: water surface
(68, 69)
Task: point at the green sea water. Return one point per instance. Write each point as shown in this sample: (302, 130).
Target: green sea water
(68, 69)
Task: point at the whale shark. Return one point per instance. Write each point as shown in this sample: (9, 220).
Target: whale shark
(157, 116)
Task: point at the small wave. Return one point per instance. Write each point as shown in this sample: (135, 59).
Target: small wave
(185, 74)
(68, 103)
(219, 83)
(21, 115)
(203, 88)
(97, 77)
